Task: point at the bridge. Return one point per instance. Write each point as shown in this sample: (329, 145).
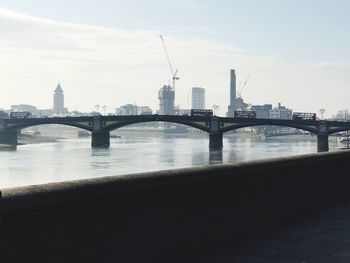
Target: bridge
(101, 126)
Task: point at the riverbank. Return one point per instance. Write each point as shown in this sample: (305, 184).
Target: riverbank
(31, 139)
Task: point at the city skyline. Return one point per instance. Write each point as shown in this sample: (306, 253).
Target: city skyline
(113, 63)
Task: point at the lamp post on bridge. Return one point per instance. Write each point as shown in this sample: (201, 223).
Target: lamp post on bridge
(216, 109)
(104, 107)
(322, 111)
(97, 107)
(99, 136)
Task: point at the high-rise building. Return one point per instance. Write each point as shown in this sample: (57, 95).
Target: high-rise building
(166, 96)
(232, 107)
(262, 111)
(198, 98)
(58, 100)
(281, 112)
(127, 109)
(25, 107)
(132, 109)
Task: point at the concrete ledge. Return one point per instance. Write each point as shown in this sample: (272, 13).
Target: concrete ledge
(166, 215)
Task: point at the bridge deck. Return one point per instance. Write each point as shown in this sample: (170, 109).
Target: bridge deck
(323, 237)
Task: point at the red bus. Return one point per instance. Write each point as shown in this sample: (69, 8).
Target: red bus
(20, 115)
(201, 112)
(245, 114)
(304, 116)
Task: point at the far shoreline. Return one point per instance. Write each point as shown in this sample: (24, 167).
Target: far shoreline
(24, 139)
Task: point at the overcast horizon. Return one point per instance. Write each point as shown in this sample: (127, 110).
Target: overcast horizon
(109, 52)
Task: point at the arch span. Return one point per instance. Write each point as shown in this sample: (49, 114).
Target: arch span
(335, 130)
(122, 124)
(309, 129)
(228, 124)
(18, 125)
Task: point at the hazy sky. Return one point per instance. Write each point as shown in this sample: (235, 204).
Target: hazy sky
(108, 52)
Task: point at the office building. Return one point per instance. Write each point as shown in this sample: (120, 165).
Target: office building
(132, 109)
(127, 109)
(198, 98)
(262, 111)
(25, 107)
(281, 112)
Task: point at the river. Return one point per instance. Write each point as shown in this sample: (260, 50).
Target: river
(71, 159)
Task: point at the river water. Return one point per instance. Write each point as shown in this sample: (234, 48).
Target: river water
(71, 159)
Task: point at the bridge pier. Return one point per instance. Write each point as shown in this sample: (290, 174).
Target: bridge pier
(215, 136)
(322, 142)
(215, 140)
(100, 139)
(215, 156)
(9, 138)
(322, 137)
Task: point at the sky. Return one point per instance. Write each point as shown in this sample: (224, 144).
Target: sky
(108, 52)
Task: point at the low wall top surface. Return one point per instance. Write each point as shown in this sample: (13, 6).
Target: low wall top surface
(164, 215)
(32, 196)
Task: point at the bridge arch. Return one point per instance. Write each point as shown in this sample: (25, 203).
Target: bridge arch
(122, 124)
(335, 130)
(245, 125)
(19, 126)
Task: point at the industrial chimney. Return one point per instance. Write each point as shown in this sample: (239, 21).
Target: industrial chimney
(232, 106)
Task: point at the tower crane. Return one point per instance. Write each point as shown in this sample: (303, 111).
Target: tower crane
(322, 111)
(173, 73)
(240, 90)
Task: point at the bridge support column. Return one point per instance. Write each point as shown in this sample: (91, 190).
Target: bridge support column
(9, 138)
(322, 142)
(215, 156)
(100, 139)
(322, 137)
(215, 141)
(215, 136)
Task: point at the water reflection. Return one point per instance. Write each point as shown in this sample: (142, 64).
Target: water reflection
(215, 157)
(8, 148)
(100, 159)
(100, 151)
(75, 159)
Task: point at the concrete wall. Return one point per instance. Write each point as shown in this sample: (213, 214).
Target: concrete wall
(163, 216)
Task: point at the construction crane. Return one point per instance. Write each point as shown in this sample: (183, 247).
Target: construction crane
(174, 74)
(322, 111)
(240, 90)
